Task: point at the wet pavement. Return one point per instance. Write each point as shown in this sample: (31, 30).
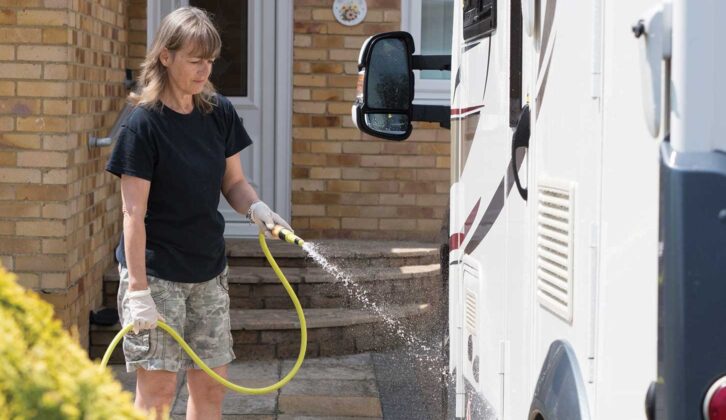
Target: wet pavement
(362, 386)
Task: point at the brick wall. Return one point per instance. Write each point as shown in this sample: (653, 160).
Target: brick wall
(61, 80)
(344, 183)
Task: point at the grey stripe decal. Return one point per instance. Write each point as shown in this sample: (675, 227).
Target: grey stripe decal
(496, 205)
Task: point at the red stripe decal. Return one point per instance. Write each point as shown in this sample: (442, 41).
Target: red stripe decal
(459, 111)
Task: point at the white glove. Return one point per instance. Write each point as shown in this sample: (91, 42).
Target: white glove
(142, 310)
(265, 218)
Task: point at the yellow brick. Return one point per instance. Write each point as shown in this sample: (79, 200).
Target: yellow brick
(43, 17)
(43, 89)
(308, 133)
(323, 147)
(54, 281)
(20, 71)
(324, 223)
(309, 107)
(57, 107)
(19, 176)
(8, 262)
(20, 141)
(323, 14)
(7, 124)
(54, 246)
(7, 52)
(379, 161)
(310, 54)
(308, 210)
(360, 223)
(43, 53)
(392, 16)
(42, 159)
(43, 124)
(325, 173)
(41, 229)
(55, 72)
(343, 134)
(56, 176)
(416, 161)
(6, 88)
(339, 108)
(55, 36)
(343, 186)
(398, 199)
(55, 211)
(302, 40)
(30, 281)
(19, 106)
(18, 210)
(15, 35)
(361, 147)
(301, 94)
(344, 55)
(7, 227)
(40, 263)
(8, 17)
(8, 159)
(309, 80)
(398, 224)
(308, 185)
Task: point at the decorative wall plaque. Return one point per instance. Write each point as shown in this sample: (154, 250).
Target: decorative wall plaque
(350, 12)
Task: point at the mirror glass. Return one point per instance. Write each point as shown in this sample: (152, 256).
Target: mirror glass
(388, 77)
(395, 124)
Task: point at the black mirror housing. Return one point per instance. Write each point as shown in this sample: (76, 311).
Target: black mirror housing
(384, 100)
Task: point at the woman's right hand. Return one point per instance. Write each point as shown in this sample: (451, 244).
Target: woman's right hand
(142, 309)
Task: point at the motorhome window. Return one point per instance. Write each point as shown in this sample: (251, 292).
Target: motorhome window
(229, 73)
(480, 18)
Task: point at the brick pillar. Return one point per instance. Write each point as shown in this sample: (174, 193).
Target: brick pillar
(61, 72)
(346, 184)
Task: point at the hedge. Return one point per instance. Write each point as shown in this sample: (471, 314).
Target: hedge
(44, 373)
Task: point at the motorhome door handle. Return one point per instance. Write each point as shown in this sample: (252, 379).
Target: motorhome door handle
(520, 139)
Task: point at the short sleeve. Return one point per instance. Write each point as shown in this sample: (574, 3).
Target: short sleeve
(133, 154)
(237, 137)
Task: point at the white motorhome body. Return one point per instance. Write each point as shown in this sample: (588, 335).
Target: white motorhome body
(576, 263)
(557, 259)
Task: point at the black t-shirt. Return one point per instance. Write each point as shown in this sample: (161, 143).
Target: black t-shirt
(183, 155)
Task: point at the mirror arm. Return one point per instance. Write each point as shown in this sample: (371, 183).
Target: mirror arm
(432, 113)
(431, 62)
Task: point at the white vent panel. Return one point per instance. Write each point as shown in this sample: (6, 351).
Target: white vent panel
(555, 241)
(471, 311)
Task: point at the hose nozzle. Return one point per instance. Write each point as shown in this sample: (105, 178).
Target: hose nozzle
(287, 235)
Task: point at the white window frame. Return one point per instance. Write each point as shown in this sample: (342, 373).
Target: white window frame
(428, 91)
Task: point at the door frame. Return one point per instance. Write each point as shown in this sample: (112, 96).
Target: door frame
(281, 150)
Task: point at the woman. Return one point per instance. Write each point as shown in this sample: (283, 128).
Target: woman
(179, 148)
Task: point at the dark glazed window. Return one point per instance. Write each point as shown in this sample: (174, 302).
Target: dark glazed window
(229, 73)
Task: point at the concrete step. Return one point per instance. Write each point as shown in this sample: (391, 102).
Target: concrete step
(259, 287)
(268, 333)
(342, 252)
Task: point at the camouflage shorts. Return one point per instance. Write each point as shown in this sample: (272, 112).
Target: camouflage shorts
(199, 312)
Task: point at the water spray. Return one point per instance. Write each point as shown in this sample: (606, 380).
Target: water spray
(286, 235)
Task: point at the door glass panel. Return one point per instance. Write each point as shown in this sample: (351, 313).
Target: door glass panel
(229, 73)
(436, 21)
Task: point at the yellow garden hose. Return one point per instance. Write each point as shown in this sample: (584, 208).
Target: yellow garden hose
(286, 235)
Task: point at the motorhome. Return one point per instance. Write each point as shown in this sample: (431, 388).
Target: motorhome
(587, 217)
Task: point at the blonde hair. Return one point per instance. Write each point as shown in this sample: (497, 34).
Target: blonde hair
(180, 27)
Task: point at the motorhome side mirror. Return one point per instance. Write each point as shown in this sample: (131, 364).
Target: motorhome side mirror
(383, 105)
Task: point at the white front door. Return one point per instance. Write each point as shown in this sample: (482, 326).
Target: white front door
(254, 72)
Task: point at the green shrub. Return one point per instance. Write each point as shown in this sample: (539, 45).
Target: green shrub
(44, 373)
